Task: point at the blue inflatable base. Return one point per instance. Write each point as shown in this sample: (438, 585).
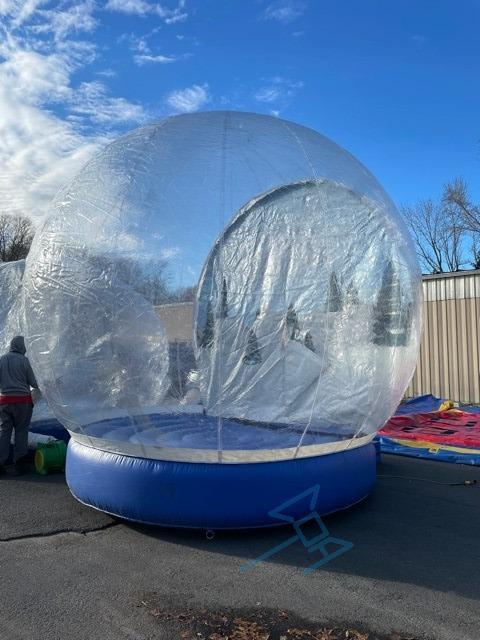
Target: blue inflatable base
(218, 496)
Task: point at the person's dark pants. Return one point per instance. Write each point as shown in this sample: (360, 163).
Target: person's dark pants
(14, 417)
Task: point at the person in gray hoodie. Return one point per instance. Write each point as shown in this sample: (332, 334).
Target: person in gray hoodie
(16, 405)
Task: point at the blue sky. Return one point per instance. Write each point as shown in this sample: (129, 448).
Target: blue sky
(395, 83)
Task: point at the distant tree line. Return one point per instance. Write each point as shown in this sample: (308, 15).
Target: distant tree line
(446, 232)
(150, 278)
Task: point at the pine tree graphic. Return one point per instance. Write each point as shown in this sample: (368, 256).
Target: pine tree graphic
(387, 312)
(352, 295)
(406, 320)
(224, 301)
(335, 296)
(252, 352)
(308, 341)
(208, 335)
(291, 320)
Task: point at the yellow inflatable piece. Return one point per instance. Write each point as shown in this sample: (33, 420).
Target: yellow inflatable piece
(432, 447)
(447, 405)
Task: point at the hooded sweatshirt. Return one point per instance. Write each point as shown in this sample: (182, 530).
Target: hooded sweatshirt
(16, 375)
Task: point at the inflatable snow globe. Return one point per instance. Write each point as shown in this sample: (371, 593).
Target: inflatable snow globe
(222, 308)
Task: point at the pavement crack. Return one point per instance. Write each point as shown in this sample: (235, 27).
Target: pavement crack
(58, 532)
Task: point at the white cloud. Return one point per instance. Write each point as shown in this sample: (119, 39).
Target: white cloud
(143, 8)
(170, 252)
(107, 73)
(41, 150)
(39, 153)
(39, 79)
(177, 17)
(285, 11)
(145, 58)
(50, 123)
(79, 53)
(143, 53)
(19, 10)
(190, 99)
(268, 94)
(132, 7)
(78, 18)
(172, 16)
(35, 78)
(7, 7)
(92, 99)
(278, 91)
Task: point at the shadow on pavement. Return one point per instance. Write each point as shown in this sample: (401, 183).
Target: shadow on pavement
(420, 526)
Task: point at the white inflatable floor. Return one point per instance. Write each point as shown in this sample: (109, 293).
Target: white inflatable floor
(198, 431)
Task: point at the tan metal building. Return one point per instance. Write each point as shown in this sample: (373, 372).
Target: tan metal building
(177, 320)
(448, 366)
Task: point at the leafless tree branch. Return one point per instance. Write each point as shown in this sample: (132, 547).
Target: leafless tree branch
(455, 196)
(443, 230)
(16, 235)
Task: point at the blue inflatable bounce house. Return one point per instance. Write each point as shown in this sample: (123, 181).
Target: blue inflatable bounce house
(303, 337)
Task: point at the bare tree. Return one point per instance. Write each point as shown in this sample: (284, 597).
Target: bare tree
(447, 232)
(150, 278)
(437, 236)
(475, 253)
(456, 198)
(453, 237)
(183, 294)
(16, 235)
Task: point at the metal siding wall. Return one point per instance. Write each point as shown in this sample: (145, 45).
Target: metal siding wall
(451, 340)
(449, 360)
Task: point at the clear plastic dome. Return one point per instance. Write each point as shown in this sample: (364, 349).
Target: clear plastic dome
(223, 286)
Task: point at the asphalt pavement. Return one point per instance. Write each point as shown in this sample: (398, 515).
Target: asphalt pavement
(411, 565)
